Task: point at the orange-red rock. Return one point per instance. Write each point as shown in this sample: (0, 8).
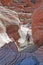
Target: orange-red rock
(13, 32)
(37, 26)
(34, 3)
(6, 2)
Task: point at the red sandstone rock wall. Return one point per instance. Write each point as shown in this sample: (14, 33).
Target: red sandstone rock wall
(22, 5)
(6, 2)
(28, 6)
(37, 26)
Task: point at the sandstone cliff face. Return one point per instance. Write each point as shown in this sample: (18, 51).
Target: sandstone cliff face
(7, 18)
(37, 26)
(25, 16)
(6, 2)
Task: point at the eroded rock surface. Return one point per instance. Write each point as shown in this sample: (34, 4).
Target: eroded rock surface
(37, 26)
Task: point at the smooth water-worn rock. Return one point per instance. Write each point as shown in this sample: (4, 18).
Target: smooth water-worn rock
(37, 26)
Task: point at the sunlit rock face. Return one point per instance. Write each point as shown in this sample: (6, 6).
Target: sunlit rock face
(10, 18)
(22, 35)
(37, 26)
(7, 17)
(23, 31)
(4, 38)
